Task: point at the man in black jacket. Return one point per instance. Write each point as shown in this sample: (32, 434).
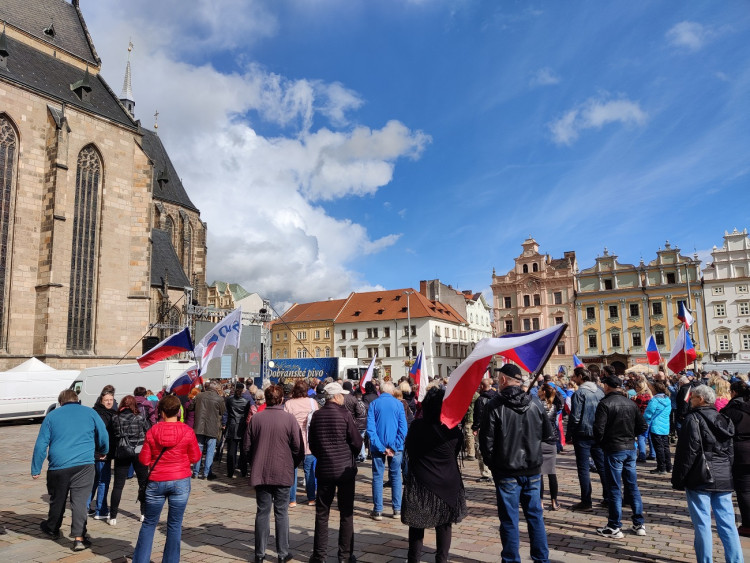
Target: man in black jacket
(236, 405)
(617, 423)
(514, 424)
(486, 394)
(334, 441)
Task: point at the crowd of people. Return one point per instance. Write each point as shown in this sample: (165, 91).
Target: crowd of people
(514, 428)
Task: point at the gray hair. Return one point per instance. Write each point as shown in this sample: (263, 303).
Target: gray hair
(387, 387)
(704, 391)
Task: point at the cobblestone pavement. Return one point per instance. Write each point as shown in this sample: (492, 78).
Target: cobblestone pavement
(219, 520)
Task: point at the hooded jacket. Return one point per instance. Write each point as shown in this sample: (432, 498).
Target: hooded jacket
(583, 405)
(183, 450)
(738, 410)
(657, 414)
(705, 428)
(513, 427)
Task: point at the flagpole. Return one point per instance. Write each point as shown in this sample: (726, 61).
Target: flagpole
(546, 359)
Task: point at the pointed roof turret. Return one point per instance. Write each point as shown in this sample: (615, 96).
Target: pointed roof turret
(126, 96)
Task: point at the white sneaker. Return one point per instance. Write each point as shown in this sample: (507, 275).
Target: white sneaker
(112, 522)
(143, 517)
(639, 529)
(614, 533)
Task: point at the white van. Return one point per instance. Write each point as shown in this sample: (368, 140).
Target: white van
(126, 377)
(30, 390)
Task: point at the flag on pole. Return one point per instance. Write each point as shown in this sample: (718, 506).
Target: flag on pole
(175, 344)
(652, 351)
(683, 352)
(368, 374)
(419, 374)
(577, 363)
(225, 333)
(189, 379)
(529, 350)
(683, 313)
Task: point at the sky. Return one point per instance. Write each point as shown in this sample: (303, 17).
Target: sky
(352, 145)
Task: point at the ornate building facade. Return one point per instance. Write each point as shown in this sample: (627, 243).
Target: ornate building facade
(539, 292)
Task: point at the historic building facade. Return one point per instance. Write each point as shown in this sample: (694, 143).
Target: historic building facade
(83, 265)
(619, 305)
(471, 306)
(726, 290)
(539, 292)
(306, 330)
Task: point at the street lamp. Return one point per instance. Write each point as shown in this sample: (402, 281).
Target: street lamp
(408, 326)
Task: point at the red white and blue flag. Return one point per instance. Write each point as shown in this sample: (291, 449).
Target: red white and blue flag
(683, 313)
(189, 379)
(529, 350)
(577, 363)
(368, 374)
(225, 333)
(177, 343)
(683, 353)
(419, 374)
(652, 351)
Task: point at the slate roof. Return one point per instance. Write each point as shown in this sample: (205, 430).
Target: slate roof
(34, 16)
(164, 259)
(391, 304)
(172, 189)
(238, 292)
(53, 77)
(316, 311)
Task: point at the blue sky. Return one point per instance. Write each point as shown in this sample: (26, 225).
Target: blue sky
(340, 145)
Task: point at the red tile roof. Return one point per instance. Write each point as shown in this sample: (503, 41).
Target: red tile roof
(315, 311)
(391, 304)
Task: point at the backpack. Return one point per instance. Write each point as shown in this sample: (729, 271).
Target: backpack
(145, 414)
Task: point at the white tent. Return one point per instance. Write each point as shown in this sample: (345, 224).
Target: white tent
(32, 364)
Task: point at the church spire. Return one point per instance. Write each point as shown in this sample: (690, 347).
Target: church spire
(126, 96)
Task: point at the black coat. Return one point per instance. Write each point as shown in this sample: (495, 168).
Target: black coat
(335, 442)
(236, 409)
(481, 402)
(738, 410)
(108, 416)
(617, 422)
(705, 428)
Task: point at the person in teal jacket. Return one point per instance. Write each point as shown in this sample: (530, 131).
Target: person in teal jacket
(656, 416)
(71, 437)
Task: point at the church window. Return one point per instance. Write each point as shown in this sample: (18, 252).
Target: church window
(525, 268)
(169, 227)
(180, 248)
(188, 261)
(8, 152)
(535, 267)
(83, 256)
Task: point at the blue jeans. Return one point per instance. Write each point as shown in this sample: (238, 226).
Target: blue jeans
(621, 471)
(700, 504)
(208, 444)
(510, 492)
(157, 492)
(644, 440)
(394, 475)
(585, 449)
(102, 477)
(308, 466)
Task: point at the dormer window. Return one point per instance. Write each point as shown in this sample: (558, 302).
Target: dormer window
(82, 88)
(49, 31)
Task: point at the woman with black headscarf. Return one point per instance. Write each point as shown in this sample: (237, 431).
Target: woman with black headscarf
(434, 494)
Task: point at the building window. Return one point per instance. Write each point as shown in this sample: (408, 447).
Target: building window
(742, 288)
(590, 313)
(659, 337)
(635, 336)
(83, 257)
(343, 335)
(723, 340)
(537, 300)
(535, 324)
(557, 297)
(671, 278)
(635, 310)
(285, 336)
(614, 312)
(317, 352)
(720, 310)
(656, 308)
(328, 352)
(301, 335)
(507, 302)
(527, 301)
(592, 340)
(355, 352)
(327, 333)
(615, 337)
(355, 333)
(413, 351)
(169, 227)
(8, 151)
(372, 352)
(559, 320)
(608, 284)
(535, 267)
(746, 341)
(717, 290)
(317, 335)
(527, 324)
(438, 349)
(437, 331)
(561, 348)
(278, 337)
(369, 333)
(744, 307)
(508, 326)
(387, 351)
(301, 353)
(343, 351)
(414, 331)
(525, 268)
(387, 332)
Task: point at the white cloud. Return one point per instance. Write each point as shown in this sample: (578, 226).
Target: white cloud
(690, 35)
(544, 77)
(595, 113)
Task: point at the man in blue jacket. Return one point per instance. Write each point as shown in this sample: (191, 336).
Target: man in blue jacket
(74, 435)
(386, 428)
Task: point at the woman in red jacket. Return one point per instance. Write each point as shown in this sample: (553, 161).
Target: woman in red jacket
(169, 449)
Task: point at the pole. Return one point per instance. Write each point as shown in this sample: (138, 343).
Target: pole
(692, 333)
(408, 326)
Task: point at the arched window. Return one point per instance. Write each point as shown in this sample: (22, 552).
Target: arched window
(317, 352)
(328, 352)
(525, 268)
(535, 267)
(188, 260)
(83, 257)
(8, 152)
(157, 217)
(180, 248)
(169, 227)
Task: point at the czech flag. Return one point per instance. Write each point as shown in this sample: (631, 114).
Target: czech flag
(577, 363)
(419, 375)
(652, 352)
(683, 313)
(183, 384)
(683, 353)
(175, 344)
(529, 350)
(368, 374)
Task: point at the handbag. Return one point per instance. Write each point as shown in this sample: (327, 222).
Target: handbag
(142, 490)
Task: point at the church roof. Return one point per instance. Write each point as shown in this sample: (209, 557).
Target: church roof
(52, 77)
(167, 184)
(238, 292)
(164, 260)
(35, 16)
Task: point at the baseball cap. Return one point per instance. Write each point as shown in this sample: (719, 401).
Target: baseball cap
(510, 370)
(334, 389)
